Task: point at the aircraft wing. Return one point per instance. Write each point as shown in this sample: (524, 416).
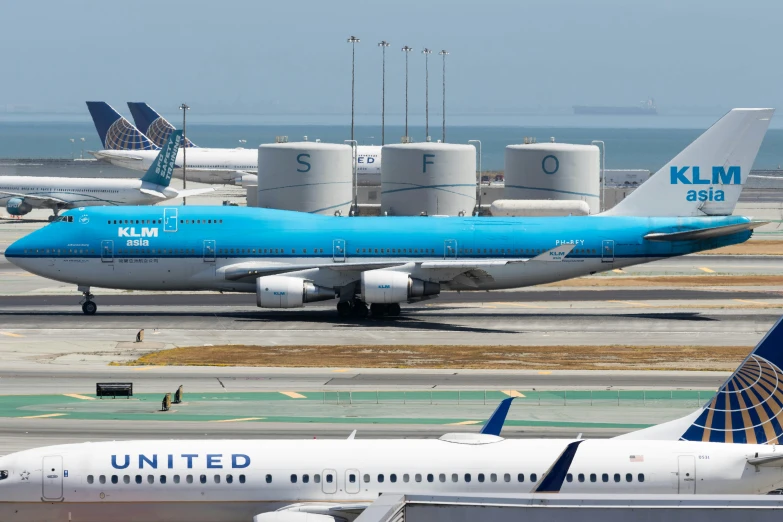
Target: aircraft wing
(704, 233)
(243, 270)
(442, 270)
(338, 511)
(46, 200)
(107, 155)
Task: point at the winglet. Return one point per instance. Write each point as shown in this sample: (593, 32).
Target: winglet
(495, 422)
(162, 168)
(553, 479)
(554, 254)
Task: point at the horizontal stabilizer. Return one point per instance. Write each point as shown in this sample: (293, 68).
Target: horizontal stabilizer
(193, 192)
(153, 193)
(767, 461)
(704, 233)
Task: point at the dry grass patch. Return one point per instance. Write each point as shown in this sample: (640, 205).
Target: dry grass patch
(612, 357)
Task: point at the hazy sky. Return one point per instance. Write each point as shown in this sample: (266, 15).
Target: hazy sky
(291, 56)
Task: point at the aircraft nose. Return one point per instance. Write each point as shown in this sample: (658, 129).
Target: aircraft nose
(20, 251)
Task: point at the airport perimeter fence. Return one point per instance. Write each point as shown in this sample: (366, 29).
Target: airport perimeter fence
(620, 398)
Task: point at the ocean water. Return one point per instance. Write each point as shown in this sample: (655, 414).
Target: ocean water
(626, 147)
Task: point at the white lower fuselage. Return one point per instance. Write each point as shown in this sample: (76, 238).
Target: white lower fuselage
(79, 192)
(226, 481)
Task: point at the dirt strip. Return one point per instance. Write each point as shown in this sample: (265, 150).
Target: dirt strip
(611, 357)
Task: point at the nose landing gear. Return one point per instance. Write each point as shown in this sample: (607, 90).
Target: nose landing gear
(88, 305)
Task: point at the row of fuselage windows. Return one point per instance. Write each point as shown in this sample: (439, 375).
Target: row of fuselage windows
(367, 478)
(164, 479)
(69, 190)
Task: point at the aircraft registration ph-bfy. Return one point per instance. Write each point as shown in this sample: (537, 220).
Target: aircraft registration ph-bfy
(127, 146)
(291, 258)
(21, 194)
(729, 446)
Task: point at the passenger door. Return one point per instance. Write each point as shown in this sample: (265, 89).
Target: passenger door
(209, 250)
(450, 249)
(686, 474)
(352, 481)
(169, 219)
(52, 473)
(329, 481)
(107, 251)
(338, 250)
(607, 251)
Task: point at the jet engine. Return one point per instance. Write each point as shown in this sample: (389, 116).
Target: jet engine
(386, 287)
(18, 207)
(288, 292)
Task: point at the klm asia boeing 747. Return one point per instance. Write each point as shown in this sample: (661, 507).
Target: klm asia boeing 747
(290, 258)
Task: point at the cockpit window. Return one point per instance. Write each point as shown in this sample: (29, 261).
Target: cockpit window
(64, 219)
(3, 474)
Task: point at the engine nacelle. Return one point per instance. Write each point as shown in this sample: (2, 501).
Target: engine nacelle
(386, 287)
(288, 292)
(18, 207)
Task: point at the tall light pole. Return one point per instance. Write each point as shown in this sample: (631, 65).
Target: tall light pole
(443, 53)
(353, 41)
(383, 44)
(407, 51)
(184, 108)
(427, 52)
(72, 140)
(82, 153)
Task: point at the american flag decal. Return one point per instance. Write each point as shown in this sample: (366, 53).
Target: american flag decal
(637, 458)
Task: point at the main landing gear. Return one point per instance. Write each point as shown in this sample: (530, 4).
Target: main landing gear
(88, 305)
(359, 309)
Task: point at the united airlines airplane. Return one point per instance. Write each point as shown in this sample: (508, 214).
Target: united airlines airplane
(729, 446)
(21, 194)
(205, 165)
(290, 258)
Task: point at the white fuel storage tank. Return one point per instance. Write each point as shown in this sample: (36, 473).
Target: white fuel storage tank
(554, 171)
(428, 178)
(306, 177)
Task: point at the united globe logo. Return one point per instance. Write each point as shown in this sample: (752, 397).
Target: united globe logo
(124, 136)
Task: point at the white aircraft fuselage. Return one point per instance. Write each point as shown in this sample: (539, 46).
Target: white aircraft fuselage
(234, 480)
(230, 166)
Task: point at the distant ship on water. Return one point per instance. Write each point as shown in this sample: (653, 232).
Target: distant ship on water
(645, 108)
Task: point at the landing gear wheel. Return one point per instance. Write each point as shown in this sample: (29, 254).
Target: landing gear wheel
(378, 310)
(344, 308)
(360, 309)
(89, 307)
(393, 310)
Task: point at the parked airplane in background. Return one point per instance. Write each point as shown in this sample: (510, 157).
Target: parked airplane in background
(726, 447)
(153, 125)
(21, 194)
(290, 258)
(237, 166)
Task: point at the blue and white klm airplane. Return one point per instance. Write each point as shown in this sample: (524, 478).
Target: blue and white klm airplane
(21, 194)
(135, 149)
(729, 446)
(289, 258)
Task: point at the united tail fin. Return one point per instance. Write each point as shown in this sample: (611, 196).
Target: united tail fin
(706, 178)
(153, 125)
(162, 168)
(115, 131)
(745, 410)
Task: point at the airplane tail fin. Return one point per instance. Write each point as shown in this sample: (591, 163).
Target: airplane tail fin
(706, 178)
(162, 168)
(746, 409)
(115, 131)
(153, 125)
